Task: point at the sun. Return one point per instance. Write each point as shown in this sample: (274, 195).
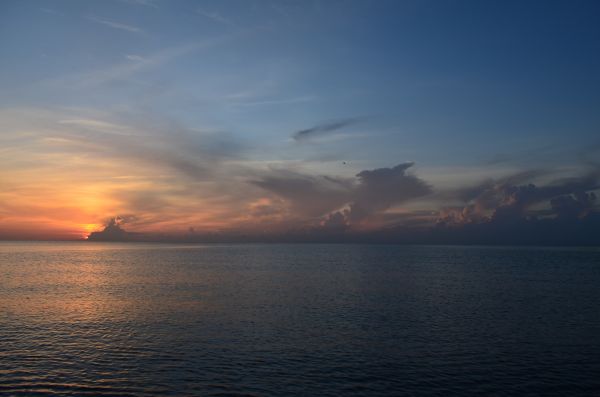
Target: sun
(89, 228)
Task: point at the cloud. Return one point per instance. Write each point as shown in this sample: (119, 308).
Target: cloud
(504, 201)
(98, 163)
(369, 194)
(51, 11)
(134, 64)
(309, 196)
(145, 3)
(281, 101)
(66, 169)
(116, 25)
(329, 209)
(381, 188)
(114, 232)
(336, 222)
(481, 190)
(136, 58)
(578, 205)
(214, 16)
(323, 129)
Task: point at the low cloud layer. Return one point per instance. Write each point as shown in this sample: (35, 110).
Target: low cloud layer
(355, 200)
(505, 201)
(63, 172)
(113, 231)
(562, 212)
(327, 209)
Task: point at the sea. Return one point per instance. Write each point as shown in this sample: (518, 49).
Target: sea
(134, 319)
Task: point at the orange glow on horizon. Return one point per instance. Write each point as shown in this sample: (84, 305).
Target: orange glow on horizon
(89, 228)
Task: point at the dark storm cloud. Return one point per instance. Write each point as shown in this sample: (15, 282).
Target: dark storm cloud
(516, 200)
(370, 193)
(381, 188)
(562, 212)
(308, 195)
(336, 221)
(512, 197)
(578, 205)
(114, 232)
(322, 129)
(572, 218)
(483, 188)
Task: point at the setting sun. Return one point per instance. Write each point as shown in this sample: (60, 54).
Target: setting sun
(89, 228)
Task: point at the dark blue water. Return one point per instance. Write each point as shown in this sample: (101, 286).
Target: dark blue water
(320, 320)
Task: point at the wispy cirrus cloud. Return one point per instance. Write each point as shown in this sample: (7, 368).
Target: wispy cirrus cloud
(51, 11)
(134, 63)
(145, 3)
(214, 16)
(325, 128)
(92, 164)
(276, 101)
(136, 58)
(116, 25)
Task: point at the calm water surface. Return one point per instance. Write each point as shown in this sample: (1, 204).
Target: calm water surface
(274, 320)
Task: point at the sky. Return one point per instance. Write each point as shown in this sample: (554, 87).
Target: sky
(387, 121)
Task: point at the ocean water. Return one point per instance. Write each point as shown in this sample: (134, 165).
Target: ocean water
(308, 320)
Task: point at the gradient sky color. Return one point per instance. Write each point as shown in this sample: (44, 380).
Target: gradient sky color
(187, 117)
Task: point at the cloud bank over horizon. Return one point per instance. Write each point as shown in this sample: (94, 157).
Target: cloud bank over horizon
(157, 180)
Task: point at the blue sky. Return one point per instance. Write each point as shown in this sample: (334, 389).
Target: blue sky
(461, 88)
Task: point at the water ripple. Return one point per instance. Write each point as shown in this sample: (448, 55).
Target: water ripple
(253, 320)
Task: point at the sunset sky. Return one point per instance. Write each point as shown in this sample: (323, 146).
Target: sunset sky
(298, 118)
